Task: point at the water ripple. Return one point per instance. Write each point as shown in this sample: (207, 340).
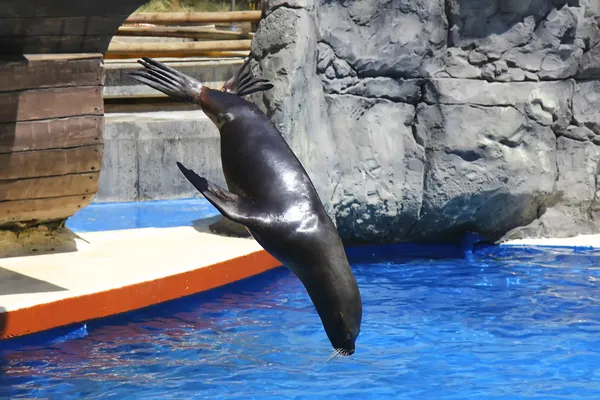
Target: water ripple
(518, 324)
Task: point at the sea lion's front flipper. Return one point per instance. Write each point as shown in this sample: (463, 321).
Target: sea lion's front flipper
(237, 208)
(167, 80)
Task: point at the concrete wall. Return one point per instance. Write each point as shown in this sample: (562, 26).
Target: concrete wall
(211, 72)
(140, 149)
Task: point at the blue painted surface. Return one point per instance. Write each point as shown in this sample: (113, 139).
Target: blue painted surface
(147, 214)
(173, 213)
(497, 323)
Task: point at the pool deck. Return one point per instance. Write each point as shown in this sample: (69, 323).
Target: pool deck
(125, 258)
(116, 271)
(577, 241)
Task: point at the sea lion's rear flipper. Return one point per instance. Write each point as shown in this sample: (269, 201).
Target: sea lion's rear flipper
(243, 82)
(167, 80)
(237, 208)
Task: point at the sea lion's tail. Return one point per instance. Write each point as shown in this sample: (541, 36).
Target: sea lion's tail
(243, 82)
(167, 80)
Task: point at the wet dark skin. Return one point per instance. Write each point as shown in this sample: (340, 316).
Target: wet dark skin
(271, 194)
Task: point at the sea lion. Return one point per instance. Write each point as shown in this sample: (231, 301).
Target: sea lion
(240, 81)
(271, 194)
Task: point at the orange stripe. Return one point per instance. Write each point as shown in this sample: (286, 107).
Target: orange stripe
(114, 301)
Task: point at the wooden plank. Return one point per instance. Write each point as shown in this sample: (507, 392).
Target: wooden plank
(31, 72)
(61, 26)
(50, 103)
(68, 8)
(194, 17)
(198, 27)
(32, 164)
(182, 32)
(51, 134)
(54, 44)
(162, 49)
(175, 54)
(57, 56)
(52, 186)
(41, 210)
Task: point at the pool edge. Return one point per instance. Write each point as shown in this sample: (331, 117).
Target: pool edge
(45, 316)
(78, 309)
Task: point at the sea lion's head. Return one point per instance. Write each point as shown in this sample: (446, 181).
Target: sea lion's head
(219, 106)
(342, 321)
(343, 331)
(333, 289)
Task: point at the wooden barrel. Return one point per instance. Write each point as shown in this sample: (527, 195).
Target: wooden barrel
(51, 106)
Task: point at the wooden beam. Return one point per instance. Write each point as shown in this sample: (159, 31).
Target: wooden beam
(51, 103)
(194, 17)
(36, 211)
(182, 32)
(51, 186)
(183, 49)
(198, 27)
(188, 48)
(51, 134)
(175, 54)
(51, 70)
(39, 163)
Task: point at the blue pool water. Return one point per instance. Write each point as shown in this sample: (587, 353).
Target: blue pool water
(146, 214)
(502, 324)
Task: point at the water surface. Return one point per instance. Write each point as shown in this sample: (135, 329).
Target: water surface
(504, 324)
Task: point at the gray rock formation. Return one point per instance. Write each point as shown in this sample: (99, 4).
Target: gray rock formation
(424, 119)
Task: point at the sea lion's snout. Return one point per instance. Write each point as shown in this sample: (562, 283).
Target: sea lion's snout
(336, 297)
(348, 346)
(343, 332)
(345, 348)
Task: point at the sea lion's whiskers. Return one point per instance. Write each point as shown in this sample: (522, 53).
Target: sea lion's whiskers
(334, 356)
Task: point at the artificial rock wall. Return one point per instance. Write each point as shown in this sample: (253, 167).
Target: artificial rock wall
(424, 119)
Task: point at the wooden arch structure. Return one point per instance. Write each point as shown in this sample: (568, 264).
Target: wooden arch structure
(51, 107)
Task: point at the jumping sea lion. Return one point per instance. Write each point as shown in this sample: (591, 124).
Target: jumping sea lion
(271, 194)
